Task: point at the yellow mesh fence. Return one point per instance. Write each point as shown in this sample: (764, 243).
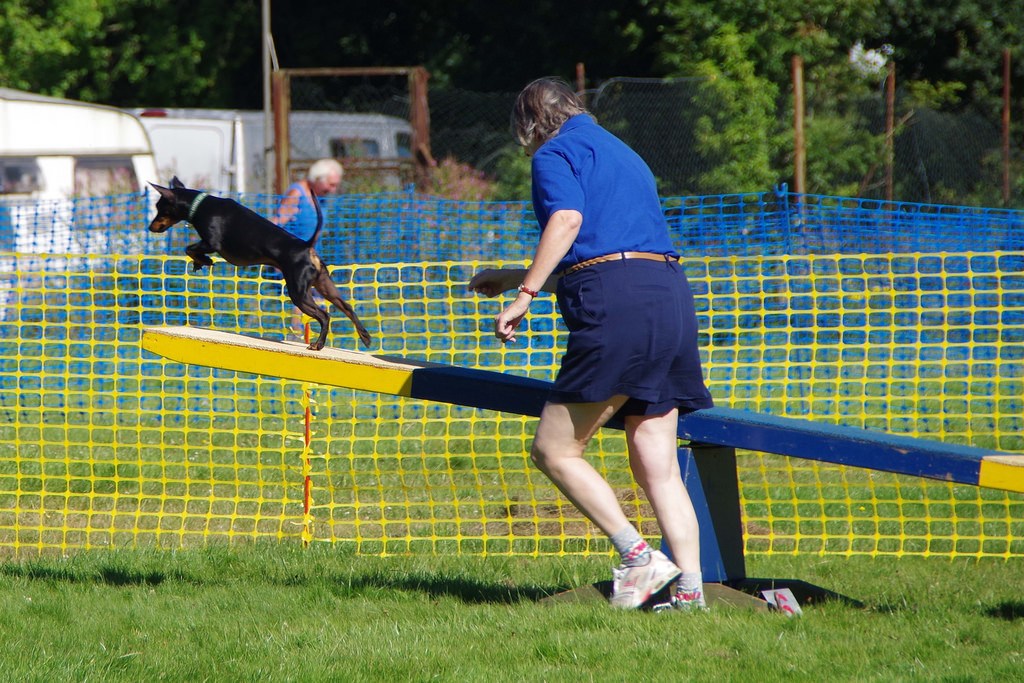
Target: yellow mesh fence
(103, 444)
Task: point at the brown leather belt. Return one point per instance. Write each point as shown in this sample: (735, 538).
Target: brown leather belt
(617, 256)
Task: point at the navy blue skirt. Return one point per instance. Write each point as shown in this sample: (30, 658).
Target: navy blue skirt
(632, 331)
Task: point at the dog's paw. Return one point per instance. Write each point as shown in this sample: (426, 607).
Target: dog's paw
(198, 265)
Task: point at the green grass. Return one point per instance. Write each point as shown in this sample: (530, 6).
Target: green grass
(272, 612)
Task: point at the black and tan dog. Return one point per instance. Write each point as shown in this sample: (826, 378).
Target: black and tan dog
(244, 238)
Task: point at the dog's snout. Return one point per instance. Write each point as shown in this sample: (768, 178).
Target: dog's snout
(159, 225)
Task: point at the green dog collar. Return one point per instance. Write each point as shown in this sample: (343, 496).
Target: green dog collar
(195, 204)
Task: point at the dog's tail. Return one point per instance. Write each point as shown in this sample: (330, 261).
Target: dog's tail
(319, 215)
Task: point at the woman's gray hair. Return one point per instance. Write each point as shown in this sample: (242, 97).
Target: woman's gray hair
(541, 109)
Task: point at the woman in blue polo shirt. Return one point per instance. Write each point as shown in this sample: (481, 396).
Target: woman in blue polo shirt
(632, 349)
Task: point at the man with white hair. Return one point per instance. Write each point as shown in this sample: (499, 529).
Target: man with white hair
(297, 215)
(296, 212)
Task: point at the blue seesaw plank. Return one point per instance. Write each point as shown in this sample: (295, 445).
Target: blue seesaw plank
(752, 431)
(855, 447)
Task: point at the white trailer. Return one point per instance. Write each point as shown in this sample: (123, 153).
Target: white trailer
(52, 148)
(54, 153)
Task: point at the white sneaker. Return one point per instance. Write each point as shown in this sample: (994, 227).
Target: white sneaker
(633, 586)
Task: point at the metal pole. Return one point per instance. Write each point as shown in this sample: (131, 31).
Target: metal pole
(282, 107)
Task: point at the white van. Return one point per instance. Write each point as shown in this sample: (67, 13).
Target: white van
(223, 149)
(52, 148)
(204, 152)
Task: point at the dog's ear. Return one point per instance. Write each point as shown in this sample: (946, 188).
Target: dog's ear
(177, 184)
(164, 192)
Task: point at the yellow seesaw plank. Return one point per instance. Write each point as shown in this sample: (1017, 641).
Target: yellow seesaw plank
(1004, 472)
(284, 359)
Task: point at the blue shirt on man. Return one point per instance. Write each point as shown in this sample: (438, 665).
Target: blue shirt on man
(302, 223)
(618, 198)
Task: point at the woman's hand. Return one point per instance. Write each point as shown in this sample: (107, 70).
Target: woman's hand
(494, 281)
(507, 322)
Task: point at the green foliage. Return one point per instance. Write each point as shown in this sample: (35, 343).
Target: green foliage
(44, 41)
(934, 95)
(842, 158)
(747, 48)
(475, 44)
(844, 128)
(206, 53)
(774, 30)
(947, 60)
(735, 135)
(954, 41)
(512, 175)
(129, 52)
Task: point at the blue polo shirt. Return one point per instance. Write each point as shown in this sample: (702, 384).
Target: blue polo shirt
(586, 168)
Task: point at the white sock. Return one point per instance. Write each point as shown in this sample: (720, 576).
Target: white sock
(632, 548)
(688, 582)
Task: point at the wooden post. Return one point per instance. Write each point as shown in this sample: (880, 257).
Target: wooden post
(581, 82)
(419, 113)
(890, 132)
(282, 105)
(1006, 127)
(419, 118)
(799, 144)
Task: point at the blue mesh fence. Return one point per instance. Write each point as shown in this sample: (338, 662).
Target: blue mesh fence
(404, 226)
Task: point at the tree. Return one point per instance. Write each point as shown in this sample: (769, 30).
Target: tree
(207, 53)
(748, 46)
(953, 41)
(131, 52)
(486, 45)
(736, 135)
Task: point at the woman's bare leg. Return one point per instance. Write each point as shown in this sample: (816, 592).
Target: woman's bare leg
(562, 436)
(558, 448)
(653, 445)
